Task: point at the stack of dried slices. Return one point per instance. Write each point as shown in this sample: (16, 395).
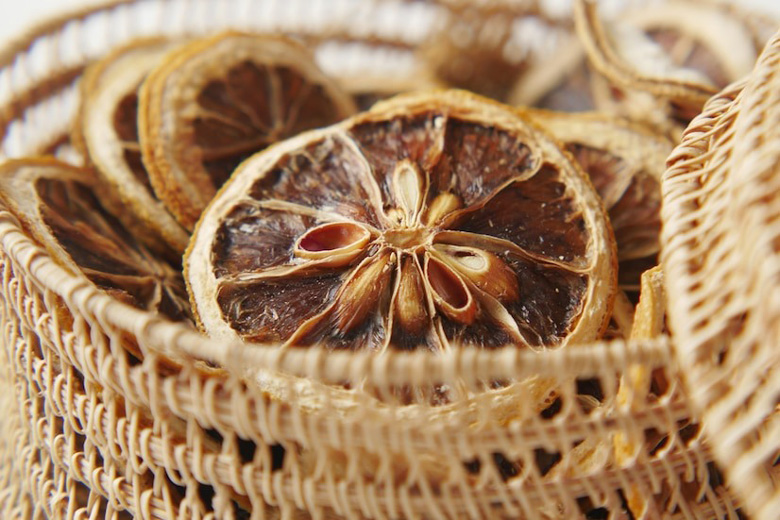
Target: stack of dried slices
(505, 200)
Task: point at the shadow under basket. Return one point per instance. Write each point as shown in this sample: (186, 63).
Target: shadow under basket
(196, 428)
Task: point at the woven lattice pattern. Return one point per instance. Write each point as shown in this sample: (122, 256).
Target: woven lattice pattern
(152, 443)
(722, 262)
(91, 431)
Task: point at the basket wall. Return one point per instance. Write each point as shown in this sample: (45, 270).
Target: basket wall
(721, 259)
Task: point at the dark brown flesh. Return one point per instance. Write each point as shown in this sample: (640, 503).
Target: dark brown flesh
(254, 106)
(107, 253)
(633, 202)
(442, 197)
(126, 127)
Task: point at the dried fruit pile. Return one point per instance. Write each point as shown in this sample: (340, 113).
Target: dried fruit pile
(233, 166)
(429, 221)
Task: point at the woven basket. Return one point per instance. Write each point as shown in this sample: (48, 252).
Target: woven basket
(722, 257)
(88, 432)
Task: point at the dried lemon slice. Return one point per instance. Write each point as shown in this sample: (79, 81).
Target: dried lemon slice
(629, 59)
(625, 162)
(215, 102)
(59, 206)
(705, 38)
(667, 60)
(432, 220)
(564, 83)
(106, 132)
(635, 386)
(464, 54)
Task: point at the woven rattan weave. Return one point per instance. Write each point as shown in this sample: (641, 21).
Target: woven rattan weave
(87, 431)
(722, 264)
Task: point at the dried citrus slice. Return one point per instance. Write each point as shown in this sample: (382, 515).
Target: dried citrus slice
(625, 162)
(464, 55)
(562, 84)
(106, 132)
(434, 219)
(667, 60)
(650, 317)
(705, 38)
(635, 385)
(486, 47)
(215, 102)
(631, 60)
(60, 207)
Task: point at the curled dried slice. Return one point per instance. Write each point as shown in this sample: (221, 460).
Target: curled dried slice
(464, 56)
(61, 208)
(703, 37)
(433, 220)
(569, 83)
(636, 385)
(215, 102)
(664, 62)
(564, 83)
(106, 132)
(486, 46)
(631, 60)
(625, 162)
(650, 317)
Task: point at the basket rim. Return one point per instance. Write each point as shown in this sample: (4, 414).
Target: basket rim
(24, 41)
(180, 342)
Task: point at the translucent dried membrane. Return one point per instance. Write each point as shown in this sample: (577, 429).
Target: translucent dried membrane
(666, 60)
(707, 38)
(433, 220)
(63, 209)
(713, 44)
(217, 101)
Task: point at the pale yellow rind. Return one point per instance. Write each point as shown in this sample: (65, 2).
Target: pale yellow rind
(105, 85)
(169, 97)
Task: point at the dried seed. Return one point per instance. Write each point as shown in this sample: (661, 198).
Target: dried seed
(408, 187)
(410, 301)
(442, 205)
(360, 294)
(484, 269)
(449, 291)
(340, 242)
